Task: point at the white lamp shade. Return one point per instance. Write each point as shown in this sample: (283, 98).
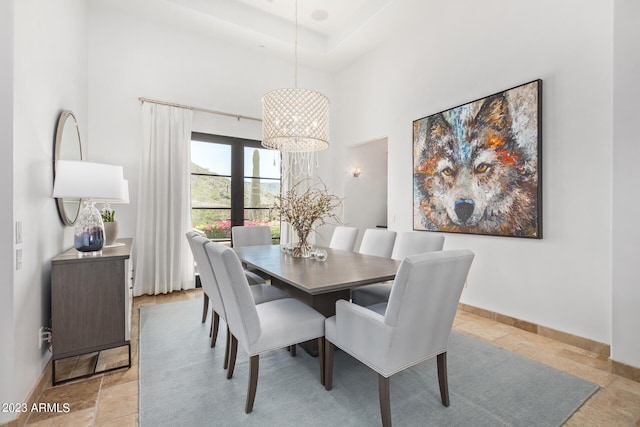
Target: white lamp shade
(88, 180)
(125, 196)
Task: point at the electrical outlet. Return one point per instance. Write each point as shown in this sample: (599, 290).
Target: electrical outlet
(44, 335)
(18, 259)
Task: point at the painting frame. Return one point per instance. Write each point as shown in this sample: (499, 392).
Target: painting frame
(477, 167)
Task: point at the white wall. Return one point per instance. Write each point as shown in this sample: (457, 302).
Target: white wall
(7, 356)
(133, 56)
(626, 177)
(456, 52)
(365, 203)
(50, 75)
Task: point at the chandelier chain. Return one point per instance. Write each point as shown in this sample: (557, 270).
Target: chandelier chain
(295, 54)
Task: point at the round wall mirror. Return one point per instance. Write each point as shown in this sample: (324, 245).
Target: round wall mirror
(67, 147)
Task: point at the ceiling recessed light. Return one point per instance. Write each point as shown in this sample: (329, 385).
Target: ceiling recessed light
(320, 14)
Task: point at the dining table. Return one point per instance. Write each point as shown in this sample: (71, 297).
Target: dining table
(318, 283)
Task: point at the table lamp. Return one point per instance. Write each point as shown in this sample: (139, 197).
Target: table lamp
(88, 181)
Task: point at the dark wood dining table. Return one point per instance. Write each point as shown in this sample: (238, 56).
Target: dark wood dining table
(319, 284)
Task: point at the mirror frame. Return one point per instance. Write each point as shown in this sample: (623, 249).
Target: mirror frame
(67, 217)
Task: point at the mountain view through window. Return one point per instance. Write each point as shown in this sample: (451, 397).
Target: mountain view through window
(233, 182)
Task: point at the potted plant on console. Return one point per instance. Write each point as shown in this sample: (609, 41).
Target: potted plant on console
(111, 225)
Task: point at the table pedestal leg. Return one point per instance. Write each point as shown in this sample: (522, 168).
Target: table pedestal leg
(324, 304)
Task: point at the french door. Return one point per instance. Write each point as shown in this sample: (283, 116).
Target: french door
(234, 181)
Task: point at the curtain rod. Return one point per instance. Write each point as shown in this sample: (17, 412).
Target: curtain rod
(204, 110)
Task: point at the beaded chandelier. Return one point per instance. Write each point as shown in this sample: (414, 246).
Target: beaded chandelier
(295, 120)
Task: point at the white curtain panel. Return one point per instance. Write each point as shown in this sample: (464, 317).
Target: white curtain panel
(163, 261)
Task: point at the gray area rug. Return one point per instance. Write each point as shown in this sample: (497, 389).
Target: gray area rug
(182, 383)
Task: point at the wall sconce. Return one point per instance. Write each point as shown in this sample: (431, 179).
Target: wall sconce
(356, 171)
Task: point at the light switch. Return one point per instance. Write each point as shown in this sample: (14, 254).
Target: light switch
(18, 259)
(18, 232)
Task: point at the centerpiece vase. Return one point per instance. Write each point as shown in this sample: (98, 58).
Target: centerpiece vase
(302, 249)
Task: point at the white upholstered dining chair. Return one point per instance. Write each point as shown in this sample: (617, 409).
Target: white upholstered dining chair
(250, 236)
(260, 292)
(416, 242)
(406, 244)
(205, 300)
(377, 242)
(264, 327)
(412, 327)
(344, 238)
(242, 235)
(208, 282)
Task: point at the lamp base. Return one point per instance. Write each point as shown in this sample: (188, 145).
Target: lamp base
(89, 232)
(90, 254)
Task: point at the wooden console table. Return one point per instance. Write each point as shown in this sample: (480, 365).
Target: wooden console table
(91, 303)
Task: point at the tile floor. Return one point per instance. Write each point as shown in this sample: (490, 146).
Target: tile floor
(111, 399)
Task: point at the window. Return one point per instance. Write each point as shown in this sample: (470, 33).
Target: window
(233, 182)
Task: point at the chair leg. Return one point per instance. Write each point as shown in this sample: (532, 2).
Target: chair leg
(321, 344)
(328, 364)
(254, 363)
(213, 313)
(385, 402)
(205, 307)
(232, 357)
(442, 378)
(215, 323)
(292, 349)
(226, 349)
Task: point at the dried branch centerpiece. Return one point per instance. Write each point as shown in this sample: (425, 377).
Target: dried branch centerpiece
(305, 211)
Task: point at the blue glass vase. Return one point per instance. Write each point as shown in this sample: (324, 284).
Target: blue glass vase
(89, 231)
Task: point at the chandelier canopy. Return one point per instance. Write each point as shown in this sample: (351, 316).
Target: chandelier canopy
(295, 120)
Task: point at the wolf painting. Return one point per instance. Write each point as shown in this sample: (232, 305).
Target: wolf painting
(477, 166)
